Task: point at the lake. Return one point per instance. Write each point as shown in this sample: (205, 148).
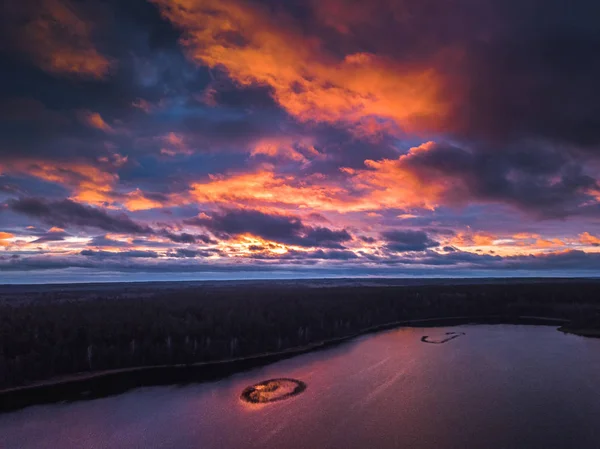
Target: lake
(496, 386)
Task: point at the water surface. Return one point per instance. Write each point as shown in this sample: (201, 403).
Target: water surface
(500, 386)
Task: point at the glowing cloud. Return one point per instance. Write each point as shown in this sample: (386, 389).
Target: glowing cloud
(4, 237)
(345, 134)
(59, 40)
(588, 239)
(90, 184)
(174, 144)
(255, 47)
(95, 120)
(295, 149)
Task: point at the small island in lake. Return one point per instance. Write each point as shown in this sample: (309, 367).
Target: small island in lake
(447, 337)
(272, 390)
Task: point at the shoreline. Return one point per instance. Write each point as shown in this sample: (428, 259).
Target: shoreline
(583, 332)
(107, 383)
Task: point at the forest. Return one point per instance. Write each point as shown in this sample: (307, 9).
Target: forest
(54, 332)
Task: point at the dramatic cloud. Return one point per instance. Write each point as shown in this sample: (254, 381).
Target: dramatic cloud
(278, 228)
(317, 137)
(67, 213)
(120, 254)
(234, 222)
(53, 235)
(402, 241)
(5, 237)
(186, 253)
(244, 39)
(95, 120)
(106, 241)
(186, 238)
(537, 180)
(89, 183)
(57, 37)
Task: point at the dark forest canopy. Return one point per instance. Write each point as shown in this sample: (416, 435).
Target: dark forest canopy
(53, 331)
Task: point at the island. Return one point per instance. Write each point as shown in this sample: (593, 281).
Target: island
(272, 390)
(447, 337)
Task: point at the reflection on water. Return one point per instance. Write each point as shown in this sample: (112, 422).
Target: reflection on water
(495, 387)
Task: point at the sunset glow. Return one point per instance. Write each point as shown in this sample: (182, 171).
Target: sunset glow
(321, 138)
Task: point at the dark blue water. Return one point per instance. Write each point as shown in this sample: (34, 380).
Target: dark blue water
(495, 387)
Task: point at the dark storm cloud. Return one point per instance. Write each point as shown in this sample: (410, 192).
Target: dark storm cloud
(460, 257)
(524, 76)
(186, 253)
(540, 81)
(366, 239)
(522, 68)
(568, 260)
(66, 213)
(340, 147)
(544, 181)
(148, 65)
(235, 222)
(120, 254)
(186, 238)
(325, 237)
(52, 236)
(279, 228)
(404, 241)
(103, 241)
(30, 129)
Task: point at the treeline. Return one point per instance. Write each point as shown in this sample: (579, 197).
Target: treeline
(41, 339)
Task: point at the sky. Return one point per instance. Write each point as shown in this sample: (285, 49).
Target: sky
(232, 139)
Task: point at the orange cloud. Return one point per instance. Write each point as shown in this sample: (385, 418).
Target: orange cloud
(251, 188)
(588, 239)
(142, 104)
(256, 47)
(299, 150)
(115, 159)
(95, 120)
(265, 188)
(381, 185)
(393, 183)
(137, 201)
(174, 145)
(91, 184)
(515, 244)
(59, 39)
(543, 243)
(245, 245)
(525, 236)
(463, 239)
(4, 236)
